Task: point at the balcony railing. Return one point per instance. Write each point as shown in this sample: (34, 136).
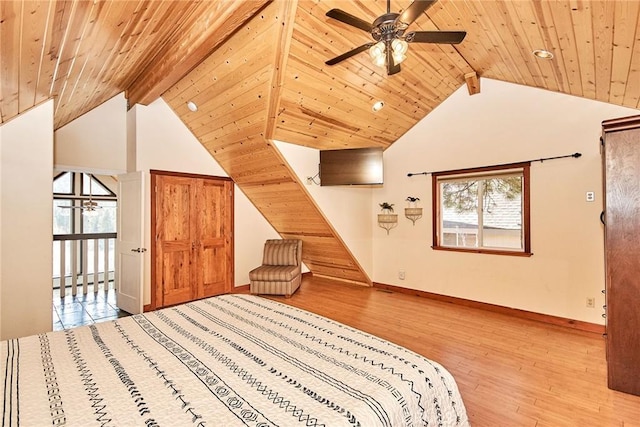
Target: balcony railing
(83, 259)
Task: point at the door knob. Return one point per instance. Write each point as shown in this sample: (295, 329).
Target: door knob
(139, 250)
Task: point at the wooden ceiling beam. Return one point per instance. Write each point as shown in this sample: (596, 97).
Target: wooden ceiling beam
(287, 12)
(473, 83)
(190, 47)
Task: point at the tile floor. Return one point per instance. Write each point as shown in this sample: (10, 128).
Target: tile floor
(70, 311)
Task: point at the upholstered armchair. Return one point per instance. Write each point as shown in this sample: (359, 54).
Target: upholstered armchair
(281, 269)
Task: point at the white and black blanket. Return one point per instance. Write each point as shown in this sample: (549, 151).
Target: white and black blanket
(232, 360)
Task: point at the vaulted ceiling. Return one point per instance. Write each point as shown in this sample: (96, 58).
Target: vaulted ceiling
(81, 53)
(256, 71)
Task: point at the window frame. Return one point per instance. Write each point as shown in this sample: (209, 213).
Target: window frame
(84, 176)
(79, 196)
(73, 183)
(488, 171)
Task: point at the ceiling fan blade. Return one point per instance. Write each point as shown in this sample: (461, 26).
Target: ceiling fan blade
(349, 54)
(349, 19)
(392, 67)
(447, 37)
(84, 207)
(412, 13)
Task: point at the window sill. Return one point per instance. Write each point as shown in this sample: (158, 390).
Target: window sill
(482, 251)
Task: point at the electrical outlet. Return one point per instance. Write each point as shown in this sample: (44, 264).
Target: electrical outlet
(591, 302)
(401, 274)
(309, 180)
(591, 196)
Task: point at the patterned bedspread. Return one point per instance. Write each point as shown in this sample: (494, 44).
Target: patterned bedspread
(232, 360)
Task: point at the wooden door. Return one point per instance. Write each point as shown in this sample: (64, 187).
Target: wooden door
(193, 256)
(175, 237)
(214, 225)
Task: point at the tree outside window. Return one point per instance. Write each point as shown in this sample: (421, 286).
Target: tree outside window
(482, 210)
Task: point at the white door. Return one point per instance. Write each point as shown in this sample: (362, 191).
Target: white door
(129, 247)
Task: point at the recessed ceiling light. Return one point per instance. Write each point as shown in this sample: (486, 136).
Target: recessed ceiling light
(377, 106)
(543, 54)
(192, 106)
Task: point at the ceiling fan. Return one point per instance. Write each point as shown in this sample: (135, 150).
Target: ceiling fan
(88, 207)
(388, 31)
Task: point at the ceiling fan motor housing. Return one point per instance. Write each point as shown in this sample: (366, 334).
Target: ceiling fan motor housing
(384, 28)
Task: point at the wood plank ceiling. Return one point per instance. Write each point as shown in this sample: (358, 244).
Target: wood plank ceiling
(256, 69)
(81, 53)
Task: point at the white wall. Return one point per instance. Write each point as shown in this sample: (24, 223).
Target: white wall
(95, 141)
(163, 142)
(348, 208)
(505, 123)
(1, 127)
(26, 167)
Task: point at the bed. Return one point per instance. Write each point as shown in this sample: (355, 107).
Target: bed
(231, 360)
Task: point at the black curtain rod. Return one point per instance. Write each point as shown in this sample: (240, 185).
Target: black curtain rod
(574, 155)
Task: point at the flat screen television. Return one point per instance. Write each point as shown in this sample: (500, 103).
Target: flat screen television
(353, 166)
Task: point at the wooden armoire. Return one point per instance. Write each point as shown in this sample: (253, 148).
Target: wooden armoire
(621, 168)
(192, 240)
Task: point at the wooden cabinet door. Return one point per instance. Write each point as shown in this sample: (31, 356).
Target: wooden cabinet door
(214, 225)
(193, 226)
(175, 255)
(622, 246)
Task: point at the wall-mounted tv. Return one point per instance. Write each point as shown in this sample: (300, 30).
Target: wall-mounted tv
(353, 166)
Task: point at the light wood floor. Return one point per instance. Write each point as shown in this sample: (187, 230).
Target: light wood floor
(511, 372)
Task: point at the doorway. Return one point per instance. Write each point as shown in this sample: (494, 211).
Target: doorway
(84, 235)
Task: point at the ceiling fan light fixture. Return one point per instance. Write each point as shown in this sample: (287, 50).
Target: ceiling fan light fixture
(543, 54)
(376, 52)
(90, 211)
(399, 48)
(398, 58)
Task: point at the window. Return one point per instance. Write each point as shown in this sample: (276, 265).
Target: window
(92, 186)
(483, 210)
(63, 183)
(102, 219)
(62, 217)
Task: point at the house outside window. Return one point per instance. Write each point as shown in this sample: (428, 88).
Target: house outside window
(483, 210)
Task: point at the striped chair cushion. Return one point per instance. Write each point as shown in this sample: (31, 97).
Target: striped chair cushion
(273, 273)
(280, 253)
